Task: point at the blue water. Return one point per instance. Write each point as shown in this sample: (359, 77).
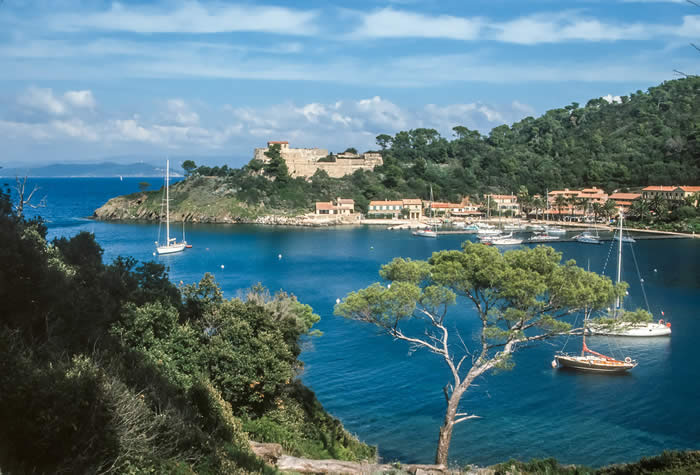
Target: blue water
(391, 397)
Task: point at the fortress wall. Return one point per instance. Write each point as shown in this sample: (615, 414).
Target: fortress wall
(304, 161)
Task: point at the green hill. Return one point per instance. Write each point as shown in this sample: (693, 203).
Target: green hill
(646, 138)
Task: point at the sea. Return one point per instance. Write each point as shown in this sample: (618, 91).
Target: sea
(390, 395)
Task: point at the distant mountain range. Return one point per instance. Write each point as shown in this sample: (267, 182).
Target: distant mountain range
(105, 169)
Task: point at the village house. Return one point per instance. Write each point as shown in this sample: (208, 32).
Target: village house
(671, 193)
(592, 195)
(408, 208)
(338, 207)
(390, 209)
(414, 207)
(505, 203)
(444, 209)
(623, 201)
(467, 209)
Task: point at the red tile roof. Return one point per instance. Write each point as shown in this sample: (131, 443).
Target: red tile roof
(624, 196)
(659, 188)
(324, 205)
(385, 203)
(690, 189)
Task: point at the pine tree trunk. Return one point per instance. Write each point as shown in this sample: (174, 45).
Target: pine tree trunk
(446, 429)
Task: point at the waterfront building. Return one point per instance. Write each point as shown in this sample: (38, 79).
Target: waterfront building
(671, 193)
(446, 209)
(623, 201)
(389, 209)
(414, 207)
(505, 203)
(339, 206)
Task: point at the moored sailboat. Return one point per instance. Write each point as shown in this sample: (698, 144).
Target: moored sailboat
(616, 325)
(171, 245)
(590, 360)
(429, 232)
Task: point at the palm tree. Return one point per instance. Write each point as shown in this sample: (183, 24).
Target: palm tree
(560, 202)
(609, 209)
(597, 211)
(659, 206)
(640, 210)
(539, 204)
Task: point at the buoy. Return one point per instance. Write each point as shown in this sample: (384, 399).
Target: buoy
(222, 266)
(554, 363)
(337, 300)
(371, 248)
(154, 253)
(628, 360)
(641, 280)
(655, 270)
(279, 256)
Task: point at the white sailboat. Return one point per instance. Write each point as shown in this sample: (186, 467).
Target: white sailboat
(430, 232)
(620, 327)
(171, 245)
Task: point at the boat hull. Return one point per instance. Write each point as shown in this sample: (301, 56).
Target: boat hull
(427, 234)
(632, 329)
(593, 364)
(171, 249)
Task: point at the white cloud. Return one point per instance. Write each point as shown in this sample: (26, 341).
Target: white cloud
(42, 100)
(180, 113)
(357, 123)
(390, 23)
(82, 99)
(565, 26)
(75, 128)
(532, 29)
(190, 17)
(313, 111)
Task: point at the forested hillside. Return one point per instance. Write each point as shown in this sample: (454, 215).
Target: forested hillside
(644, 138)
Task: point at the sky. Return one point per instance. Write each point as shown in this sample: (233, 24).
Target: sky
(211, 80)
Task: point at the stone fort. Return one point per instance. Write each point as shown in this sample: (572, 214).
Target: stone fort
(305, 161)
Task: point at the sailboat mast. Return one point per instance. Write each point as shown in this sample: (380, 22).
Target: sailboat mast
(619, 261)
(167, 202)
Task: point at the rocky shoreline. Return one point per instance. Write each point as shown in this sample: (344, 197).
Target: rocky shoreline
(136, 208)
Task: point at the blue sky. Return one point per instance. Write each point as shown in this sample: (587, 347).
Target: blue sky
(88, 80)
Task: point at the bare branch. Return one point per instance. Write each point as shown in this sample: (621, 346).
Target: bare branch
(396, 333)
(462, 419)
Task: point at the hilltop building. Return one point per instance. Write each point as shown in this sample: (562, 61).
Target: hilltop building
(306, 161)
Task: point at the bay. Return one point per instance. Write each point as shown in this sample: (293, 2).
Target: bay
(392, 397)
